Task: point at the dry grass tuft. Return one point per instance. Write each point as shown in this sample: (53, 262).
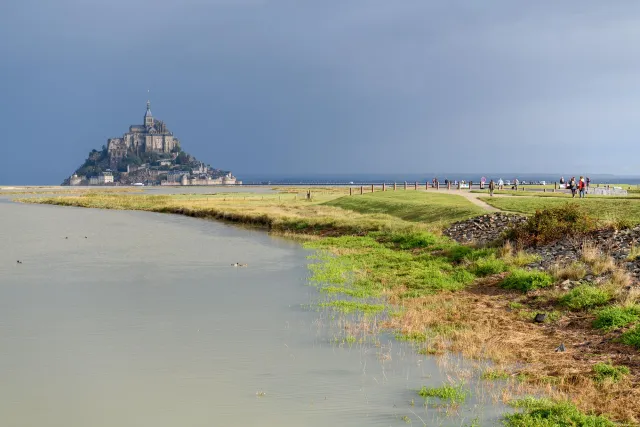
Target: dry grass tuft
(573, 271)
(634, 252)
(506, 250)
(589, 252)
(602, 265)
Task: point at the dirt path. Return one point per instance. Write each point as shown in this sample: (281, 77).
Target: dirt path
(474, 198)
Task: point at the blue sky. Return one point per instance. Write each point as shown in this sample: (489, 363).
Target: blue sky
(332, 86)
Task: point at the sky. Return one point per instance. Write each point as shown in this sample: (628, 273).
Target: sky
(332, 86)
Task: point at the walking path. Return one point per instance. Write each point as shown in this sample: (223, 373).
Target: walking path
(475, 198)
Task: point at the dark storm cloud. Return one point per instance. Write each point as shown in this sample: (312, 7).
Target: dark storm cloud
(331, 86)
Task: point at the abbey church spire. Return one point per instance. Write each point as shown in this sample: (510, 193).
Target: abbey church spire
(148, 117)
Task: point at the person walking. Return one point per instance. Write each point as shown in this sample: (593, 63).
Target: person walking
(573, 186)
(515, 184)
(492, 187)
(581, 187)
(588, 183)
(500, 184)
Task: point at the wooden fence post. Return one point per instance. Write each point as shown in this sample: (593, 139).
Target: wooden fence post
(351, 191)
(416, 185)
(384, 187)
(448, 185)
(361, 189)
(555, 186)
(470, 185)
(394, 186)
(372, 188)
(405, 185)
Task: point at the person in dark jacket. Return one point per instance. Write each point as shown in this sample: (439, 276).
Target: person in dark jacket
(492, 187)
(573, 186)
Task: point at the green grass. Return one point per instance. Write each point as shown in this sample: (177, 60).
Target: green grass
(453, 393)
(525, 281)
(584, 297)
(603, 208)
(365, 267)
(353, 306)
(494, 375)
(614, 317)
(632, 337)
(547, 413)
(605, 372)
(488, 266)
(422, 206)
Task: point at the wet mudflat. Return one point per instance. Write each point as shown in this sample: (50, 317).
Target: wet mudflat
(135, 318)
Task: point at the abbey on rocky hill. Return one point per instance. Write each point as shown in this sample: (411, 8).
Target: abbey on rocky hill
(148, 154)
(151, 137)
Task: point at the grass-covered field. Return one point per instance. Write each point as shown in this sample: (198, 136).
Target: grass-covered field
(427, 207)
(610, 209)
(386, 247)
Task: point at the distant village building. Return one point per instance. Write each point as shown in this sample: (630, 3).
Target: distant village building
(76, 180)
(105, 178)
(151, 137)
(93, 180)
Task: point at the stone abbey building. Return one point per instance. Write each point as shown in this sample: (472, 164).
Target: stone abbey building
(152, 136)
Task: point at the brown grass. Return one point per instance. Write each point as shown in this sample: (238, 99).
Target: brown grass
(573, 271)
(589, 252)
(478, 325)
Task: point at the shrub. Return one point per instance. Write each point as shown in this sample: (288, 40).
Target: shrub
(525, 281)
(547, 413)
(584, 297)
(632, 337)
(606, 372)
(615, 317)
(550, 225)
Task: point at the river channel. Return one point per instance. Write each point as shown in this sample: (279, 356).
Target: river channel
(117, 318)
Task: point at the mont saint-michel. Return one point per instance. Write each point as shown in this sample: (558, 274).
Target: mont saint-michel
(148, 154)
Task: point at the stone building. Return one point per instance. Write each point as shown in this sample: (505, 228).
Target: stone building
(153, 136)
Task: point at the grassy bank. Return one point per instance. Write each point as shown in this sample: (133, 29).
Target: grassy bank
(445, 297)
(426, 207)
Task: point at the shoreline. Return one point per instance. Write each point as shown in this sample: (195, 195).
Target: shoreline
(475, 320)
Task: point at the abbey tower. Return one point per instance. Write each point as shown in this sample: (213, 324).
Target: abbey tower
(152, 136)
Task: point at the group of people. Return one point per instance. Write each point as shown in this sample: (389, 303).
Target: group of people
(581, 187)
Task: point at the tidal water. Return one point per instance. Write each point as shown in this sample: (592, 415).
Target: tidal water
(117, 318)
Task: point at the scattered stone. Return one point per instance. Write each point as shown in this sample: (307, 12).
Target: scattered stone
(560, 348)
(540, 318)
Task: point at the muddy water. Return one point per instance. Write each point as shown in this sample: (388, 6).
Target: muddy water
(138, 319)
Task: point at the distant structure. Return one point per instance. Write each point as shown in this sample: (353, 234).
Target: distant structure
(148, 154)
(151, 137)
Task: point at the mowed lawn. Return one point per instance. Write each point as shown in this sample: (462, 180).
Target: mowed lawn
(605, 208)
(409, 205)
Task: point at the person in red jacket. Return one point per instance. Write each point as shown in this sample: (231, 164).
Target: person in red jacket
(581, 186)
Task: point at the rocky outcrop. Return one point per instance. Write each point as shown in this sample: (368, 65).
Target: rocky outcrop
(483, 229)
(488, 228)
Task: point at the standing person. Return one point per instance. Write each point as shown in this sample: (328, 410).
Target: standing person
(581, 187)
(492, 187)
(573, 186)
(515, 184)
(588, 182)
(561, 181)
(500, 184)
